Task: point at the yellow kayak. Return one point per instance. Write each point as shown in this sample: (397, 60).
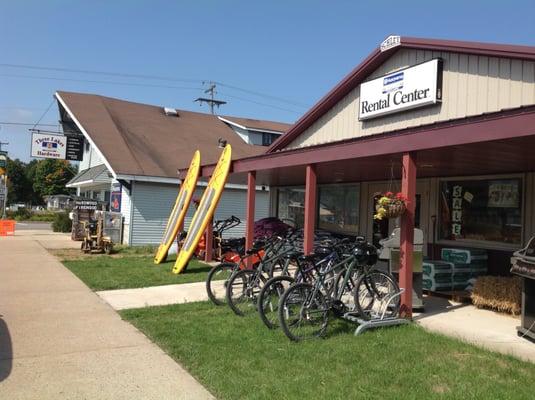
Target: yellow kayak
(205, 210)
(176, 219)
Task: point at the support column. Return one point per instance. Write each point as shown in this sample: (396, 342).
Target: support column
(408, 189)
(310, 208)
(209, 236)
(250, 210)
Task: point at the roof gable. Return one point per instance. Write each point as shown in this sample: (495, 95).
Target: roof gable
(377, 58)
(141, 140)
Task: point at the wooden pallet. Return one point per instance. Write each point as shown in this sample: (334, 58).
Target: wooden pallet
(459, 296)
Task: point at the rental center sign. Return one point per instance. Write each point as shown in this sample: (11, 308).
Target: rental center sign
(417, 86)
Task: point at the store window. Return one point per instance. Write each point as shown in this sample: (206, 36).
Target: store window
(291, 205)
(487, 210)
(338, 208)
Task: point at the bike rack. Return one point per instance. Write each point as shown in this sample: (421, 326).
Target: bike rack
(379, 319)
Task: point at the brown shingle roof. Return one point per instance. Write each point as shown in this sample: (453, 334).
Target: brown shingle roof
(139, 139)
(259, 124)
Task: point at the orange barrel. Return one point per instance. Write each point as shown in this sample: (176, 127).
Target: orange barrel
(7, 227)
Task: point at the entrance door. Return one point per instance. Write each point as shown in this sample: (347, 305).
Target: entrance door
(381, 229)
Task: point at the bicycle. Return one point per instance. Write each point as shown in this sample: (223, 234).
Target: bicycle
(306, 269)
(304, 308)
(244, 285)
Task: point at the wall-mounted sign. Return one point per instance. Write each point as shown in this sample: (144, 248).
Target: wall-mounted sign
(389, 42)
(75, 148)
(49, 146)
(3, 159)
(504, 194)
(115, 197)
(85, 204)
(457, 211)
(417, 86)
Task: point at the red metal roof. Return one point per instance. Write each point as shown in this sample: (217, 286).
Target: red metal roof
(377, 57)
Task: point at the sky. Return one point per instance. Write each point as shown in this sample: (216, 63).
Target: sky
(271, 59)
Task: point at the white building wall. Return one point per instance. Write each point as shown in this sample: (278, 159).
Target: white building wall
(152, 203)
(91, 158)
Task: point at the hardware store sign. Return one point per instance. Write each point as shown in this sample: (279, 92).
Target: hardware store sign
(417, 86)
(49, 146)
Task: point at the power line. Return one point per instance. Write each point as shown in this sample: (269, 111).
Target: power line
(46, 111)
(85, 71)
(294, 103)
(260, 104)
(104, 82)
(24, 124)
(154, 77)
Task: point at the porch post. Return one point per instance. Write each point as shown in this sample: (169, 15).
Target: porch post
(250, 210)
(209, 235)
(310, 208)
(408, 189)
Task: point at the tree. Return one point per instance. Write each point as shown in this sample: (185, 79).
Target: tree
(51, 176)
(19, 187)
(34, 198)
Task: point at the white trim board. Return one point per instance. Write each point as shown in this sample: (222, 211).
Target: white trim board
(86, 135)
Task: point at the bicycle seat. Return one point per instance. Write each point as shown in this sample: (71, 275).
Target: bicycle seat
(308, 257)
(253, 250)
(293, 255)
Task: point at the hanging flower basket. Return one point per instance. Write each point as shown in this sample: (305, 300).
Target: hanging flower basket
(390, 205)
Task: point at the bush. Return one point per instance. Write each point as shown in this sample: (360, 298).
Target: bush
(62, 223)
(22, 214)
(43, 216)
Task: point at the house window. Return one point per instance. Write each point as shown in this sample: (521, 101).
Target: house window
(488, 210)
(339, 208)
(268, 138)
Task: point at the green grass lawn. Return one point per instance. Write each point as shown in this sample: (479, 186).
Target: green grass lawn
(238, 358)
(130, 270)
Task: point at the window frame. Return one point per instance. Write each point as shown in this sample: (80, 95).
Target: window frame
(317, 211)
(485, 244)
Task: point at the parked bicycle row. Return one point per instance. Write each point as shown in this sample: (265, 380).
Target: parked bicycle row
(301, 293)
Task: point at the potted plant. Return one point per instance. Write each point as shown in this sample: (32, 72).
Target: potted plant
(390, 205)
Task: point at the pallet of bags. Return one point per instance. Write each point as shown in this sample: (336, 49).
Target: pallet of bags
(441, 284)
(463, 256)
(431, 268)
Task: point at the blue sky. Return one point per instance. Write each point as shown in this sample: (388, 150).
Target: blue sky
(292, 50)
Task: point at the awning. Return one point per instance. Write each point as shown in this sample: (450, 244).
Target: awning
(90, 176)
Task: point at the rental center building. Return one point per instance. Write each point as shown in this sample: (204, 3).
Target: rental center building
(449, 124)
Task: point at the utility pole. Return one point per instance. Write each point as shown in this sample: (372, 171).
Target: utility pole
(211, 101)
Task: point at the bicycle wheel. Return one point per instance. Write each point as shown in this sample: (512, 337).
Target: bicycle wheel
(216, 282)
(243, 289)
(375, 294)
(303, 312)
(269, 297)
(346, 293)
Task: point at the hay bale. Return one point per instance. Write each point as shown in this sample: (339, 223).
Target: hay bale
(499, 293)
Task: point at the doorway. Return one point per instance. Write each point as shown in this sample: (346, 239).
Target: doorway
(381, 229)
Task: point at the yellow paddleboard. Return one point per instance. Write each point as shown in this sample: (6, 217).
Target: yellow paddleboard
(179, 210)
(205, 210)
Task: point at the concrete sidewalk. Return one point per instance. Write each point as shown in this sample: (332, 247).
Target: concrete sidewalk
(58, 340)
(484, 328)
(122, 299)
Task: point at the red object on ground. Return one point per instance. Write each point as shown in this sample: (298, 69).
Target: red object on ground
(7, 227)
(408, 188)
